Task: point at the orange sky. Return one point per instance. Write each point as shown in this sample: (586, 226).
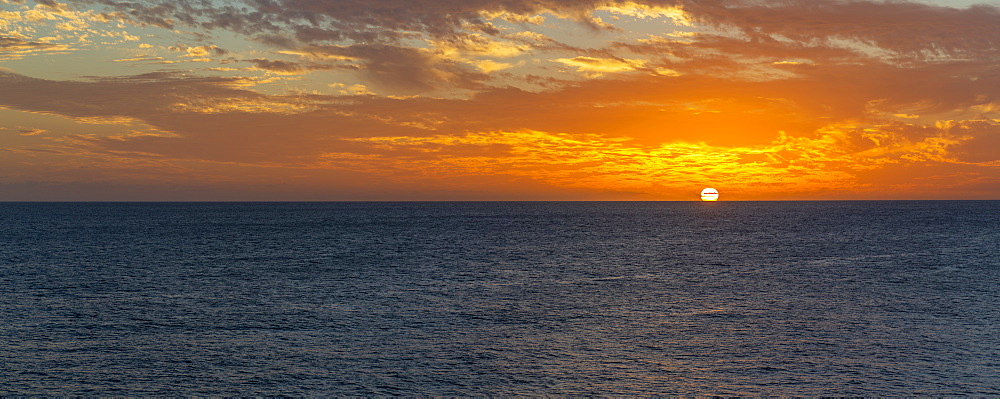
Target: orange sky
(498, 100)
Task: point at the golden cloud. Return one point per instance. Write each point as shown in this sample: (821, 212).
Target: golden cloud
(644, 11)
(490, 66)
(199, 51)
(830, 161)
(477, 45)
(242, 104)
(601, 65)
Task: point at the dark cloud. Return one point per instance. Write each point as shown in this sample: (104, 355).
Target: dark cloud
(127, 95)
(204, 113)
(783, 39)
(289, 139)
(405, 69)
(984, 141)
(735, 32)
(161, 14)
(13, 44)
(277, 65)
(914, 30)
(362, 21)
(905, 27)
(311, 34)
(27, 131)
(287, 67)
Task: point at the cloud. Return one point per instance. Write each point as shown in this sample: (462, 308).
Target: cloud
(287, 67)
(378, 21)
(401, 69)
(591, 64)
(478, 45)
(14, 48)
(141, 58)
(353, 90)
(199, 51)
(446, 40)
(114, 96)
(769, 96)
(907, 30)
(30, 131)
(980, 140)
(283, 67)
(625, 144)
(649, 10)
(832, 160)
(210, 119)
(488, 66)
(384, 19)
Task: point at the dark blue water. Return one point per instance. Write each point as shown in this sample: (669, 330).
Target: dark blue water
(727, 298)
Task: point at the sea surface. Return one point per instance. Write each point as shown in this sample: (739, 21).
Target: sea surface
(873, 298)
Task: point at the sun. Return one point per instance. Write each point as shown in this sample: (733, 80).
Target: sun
(709, 194)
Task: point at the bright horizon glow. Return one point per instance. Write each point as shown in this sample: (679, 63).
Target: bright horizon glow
(709, 194)
(520, 100)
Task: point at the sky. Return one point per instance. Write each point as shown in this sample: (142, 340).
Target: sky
(212, 100)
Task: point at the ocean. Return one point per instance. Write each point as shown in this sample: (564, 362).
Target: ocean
(840, 298)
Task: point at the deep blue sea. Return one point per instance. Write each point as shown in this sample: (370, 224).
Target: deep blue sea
(873, 298)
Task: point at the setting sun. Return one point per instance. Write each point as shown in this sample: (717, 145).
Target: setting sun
(709, 194)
